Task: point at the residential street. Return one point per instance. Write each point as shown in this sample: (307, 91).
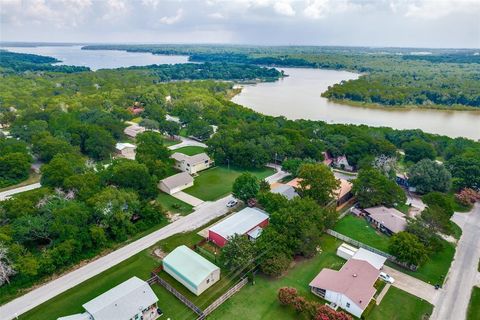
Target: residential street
(452, 302)
(7, 194)
(205, 213)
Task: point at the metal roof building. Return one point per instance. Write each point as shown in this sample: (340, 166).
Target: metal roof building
(192, 270)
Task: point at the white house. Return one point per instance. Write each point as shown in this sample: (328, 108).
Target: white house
(342, 163)
(176, 183)
(192, 164)
(126, 150)
(351, 288)
(192, 270)
(132, 299)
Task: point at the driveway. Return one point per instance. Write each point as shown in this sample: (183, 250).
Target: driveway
(412, 285)
(187, 142)
(7, 194)
(185, 197)
(452, 302)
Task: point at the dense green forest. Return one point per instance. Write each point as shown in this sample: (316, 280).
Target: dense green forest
(440, 78)
(20, 62)
(88, 203)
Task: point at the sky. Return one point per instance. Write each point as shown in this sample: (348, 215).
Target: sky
(389, 23)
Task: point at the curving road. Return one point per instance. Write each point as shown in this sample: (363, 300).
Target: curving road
(452, 302)
(7, 194)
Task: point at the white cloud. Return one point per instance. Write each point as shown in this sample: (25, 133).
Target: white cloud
(217, 15)
(316, 9)
(284, 8)
(172, 19)
(434, 9)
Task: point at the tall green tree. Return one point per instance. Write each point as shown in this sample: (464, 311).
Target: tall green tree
(245, 187)
(408, 248)
(427, 176)
(60, 168)
(238, 253)
(417, 150)
(318, 182)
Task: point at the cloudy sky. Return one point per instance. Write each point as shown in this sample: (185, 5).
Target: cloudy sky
(416, 23)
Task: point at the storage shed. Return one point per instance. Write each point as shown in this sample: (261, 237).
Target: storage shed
(192, 270)
(346, 251)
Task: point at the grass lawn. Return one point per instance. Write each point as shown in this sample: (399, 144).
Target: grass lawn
(436, 268)
(400, 305)
(167, 142)
(359, 229)
(403, 207)
(174, 205)
(456, 230)
(190, 151)
(473, 312)
(259, 300)
(217, 182)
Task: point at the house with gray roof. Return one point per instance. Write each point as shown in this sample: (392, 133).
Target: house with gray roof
(192, 164)
(192, 270)
(387, 220)
(285, 190)
(132, 299)
(176, 183)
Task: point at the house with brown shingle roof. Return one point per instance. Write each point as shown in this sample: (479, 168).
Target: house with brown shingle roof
(351, 288)
(388, 220)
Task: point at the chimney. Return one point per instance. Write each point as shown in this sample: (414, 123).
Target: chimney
(354, 275)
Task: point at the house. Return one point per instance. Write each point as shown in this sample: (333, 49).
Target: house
(387, 220)
(348, 252)
(249, 221)
(344, 192)
(176, 183)
(327, 159)
(132, 299)
(192, 164)
(285, 190)
(351, 288)
(133, 130)
(402, 180)
(342, 163)
(192, 270)
(125, 150)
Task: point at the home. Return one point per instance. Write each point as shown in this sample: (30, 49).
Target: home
(133, 130)
(132, 299)
(248, 221)
(387, 220)
(176, 183)
(342, 163)
(351, 288)
(344, 192)
(192, 164)
(192, 270)
(348, 252)
(125, 150)
(284, 189)
(327, 159)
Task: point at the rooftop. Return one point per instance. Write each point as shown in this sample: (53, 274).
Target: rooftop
(122, 145)
(374, 259)
(355, 280)
(285, 190)
(123, 301)
(190, 265)
(391, 218)
(177, 180)
(192, 160)
(240, 222)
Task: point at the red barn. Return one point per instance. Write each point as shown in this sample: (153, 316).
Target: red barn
(248, 221)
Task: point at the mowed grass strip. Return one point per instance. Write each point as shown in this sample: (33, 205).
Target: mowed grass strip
(174, 205)
(400, 305)
(190, 151)
(473, 312)
(359, 229)
(217, 182)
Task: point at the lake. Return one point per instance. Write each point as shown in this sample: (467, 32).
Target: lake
(99, 59)
(295, 97)
(298, 97)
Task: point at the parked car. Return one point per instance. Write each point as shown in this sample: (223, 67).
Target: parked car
(385, 277)
(232, 203)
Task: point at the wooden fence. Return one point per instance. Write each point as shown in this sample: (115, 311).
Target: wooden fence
(215, 304)
(364, 246)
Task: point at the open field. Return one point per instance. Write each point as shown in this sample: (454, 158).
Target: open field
(217, 182)
(174, 205)
(400, 305)
(190, 151)
(473, 312)
(359, 229)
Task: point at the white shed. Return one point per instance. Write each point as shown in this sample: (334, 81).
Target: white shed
(346, 251)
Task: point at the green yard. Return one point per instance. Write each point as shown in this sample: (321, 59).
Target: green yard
(473, 312)
(400, 305)
(167, 142)
(190, 151)
(217, 182)
(359, 229)
(174, 205)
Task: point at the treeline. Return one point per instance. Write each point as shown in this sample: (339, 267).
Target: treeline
(21, 62)
(396, 76)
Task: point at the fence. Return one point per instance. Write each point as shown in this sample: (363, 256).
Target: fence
(364, 246)
(223, 298)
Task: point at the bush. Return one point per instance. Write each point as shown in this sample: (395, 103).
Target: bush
(467, 196)
(286, 295)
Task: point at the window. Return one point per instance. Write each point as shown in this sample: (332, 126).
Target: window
(348, 305)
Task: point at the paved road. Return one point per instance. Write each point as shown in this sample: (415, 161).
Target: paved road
(7, 194)
(412, 285)
(204, 214)
(452, 302)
